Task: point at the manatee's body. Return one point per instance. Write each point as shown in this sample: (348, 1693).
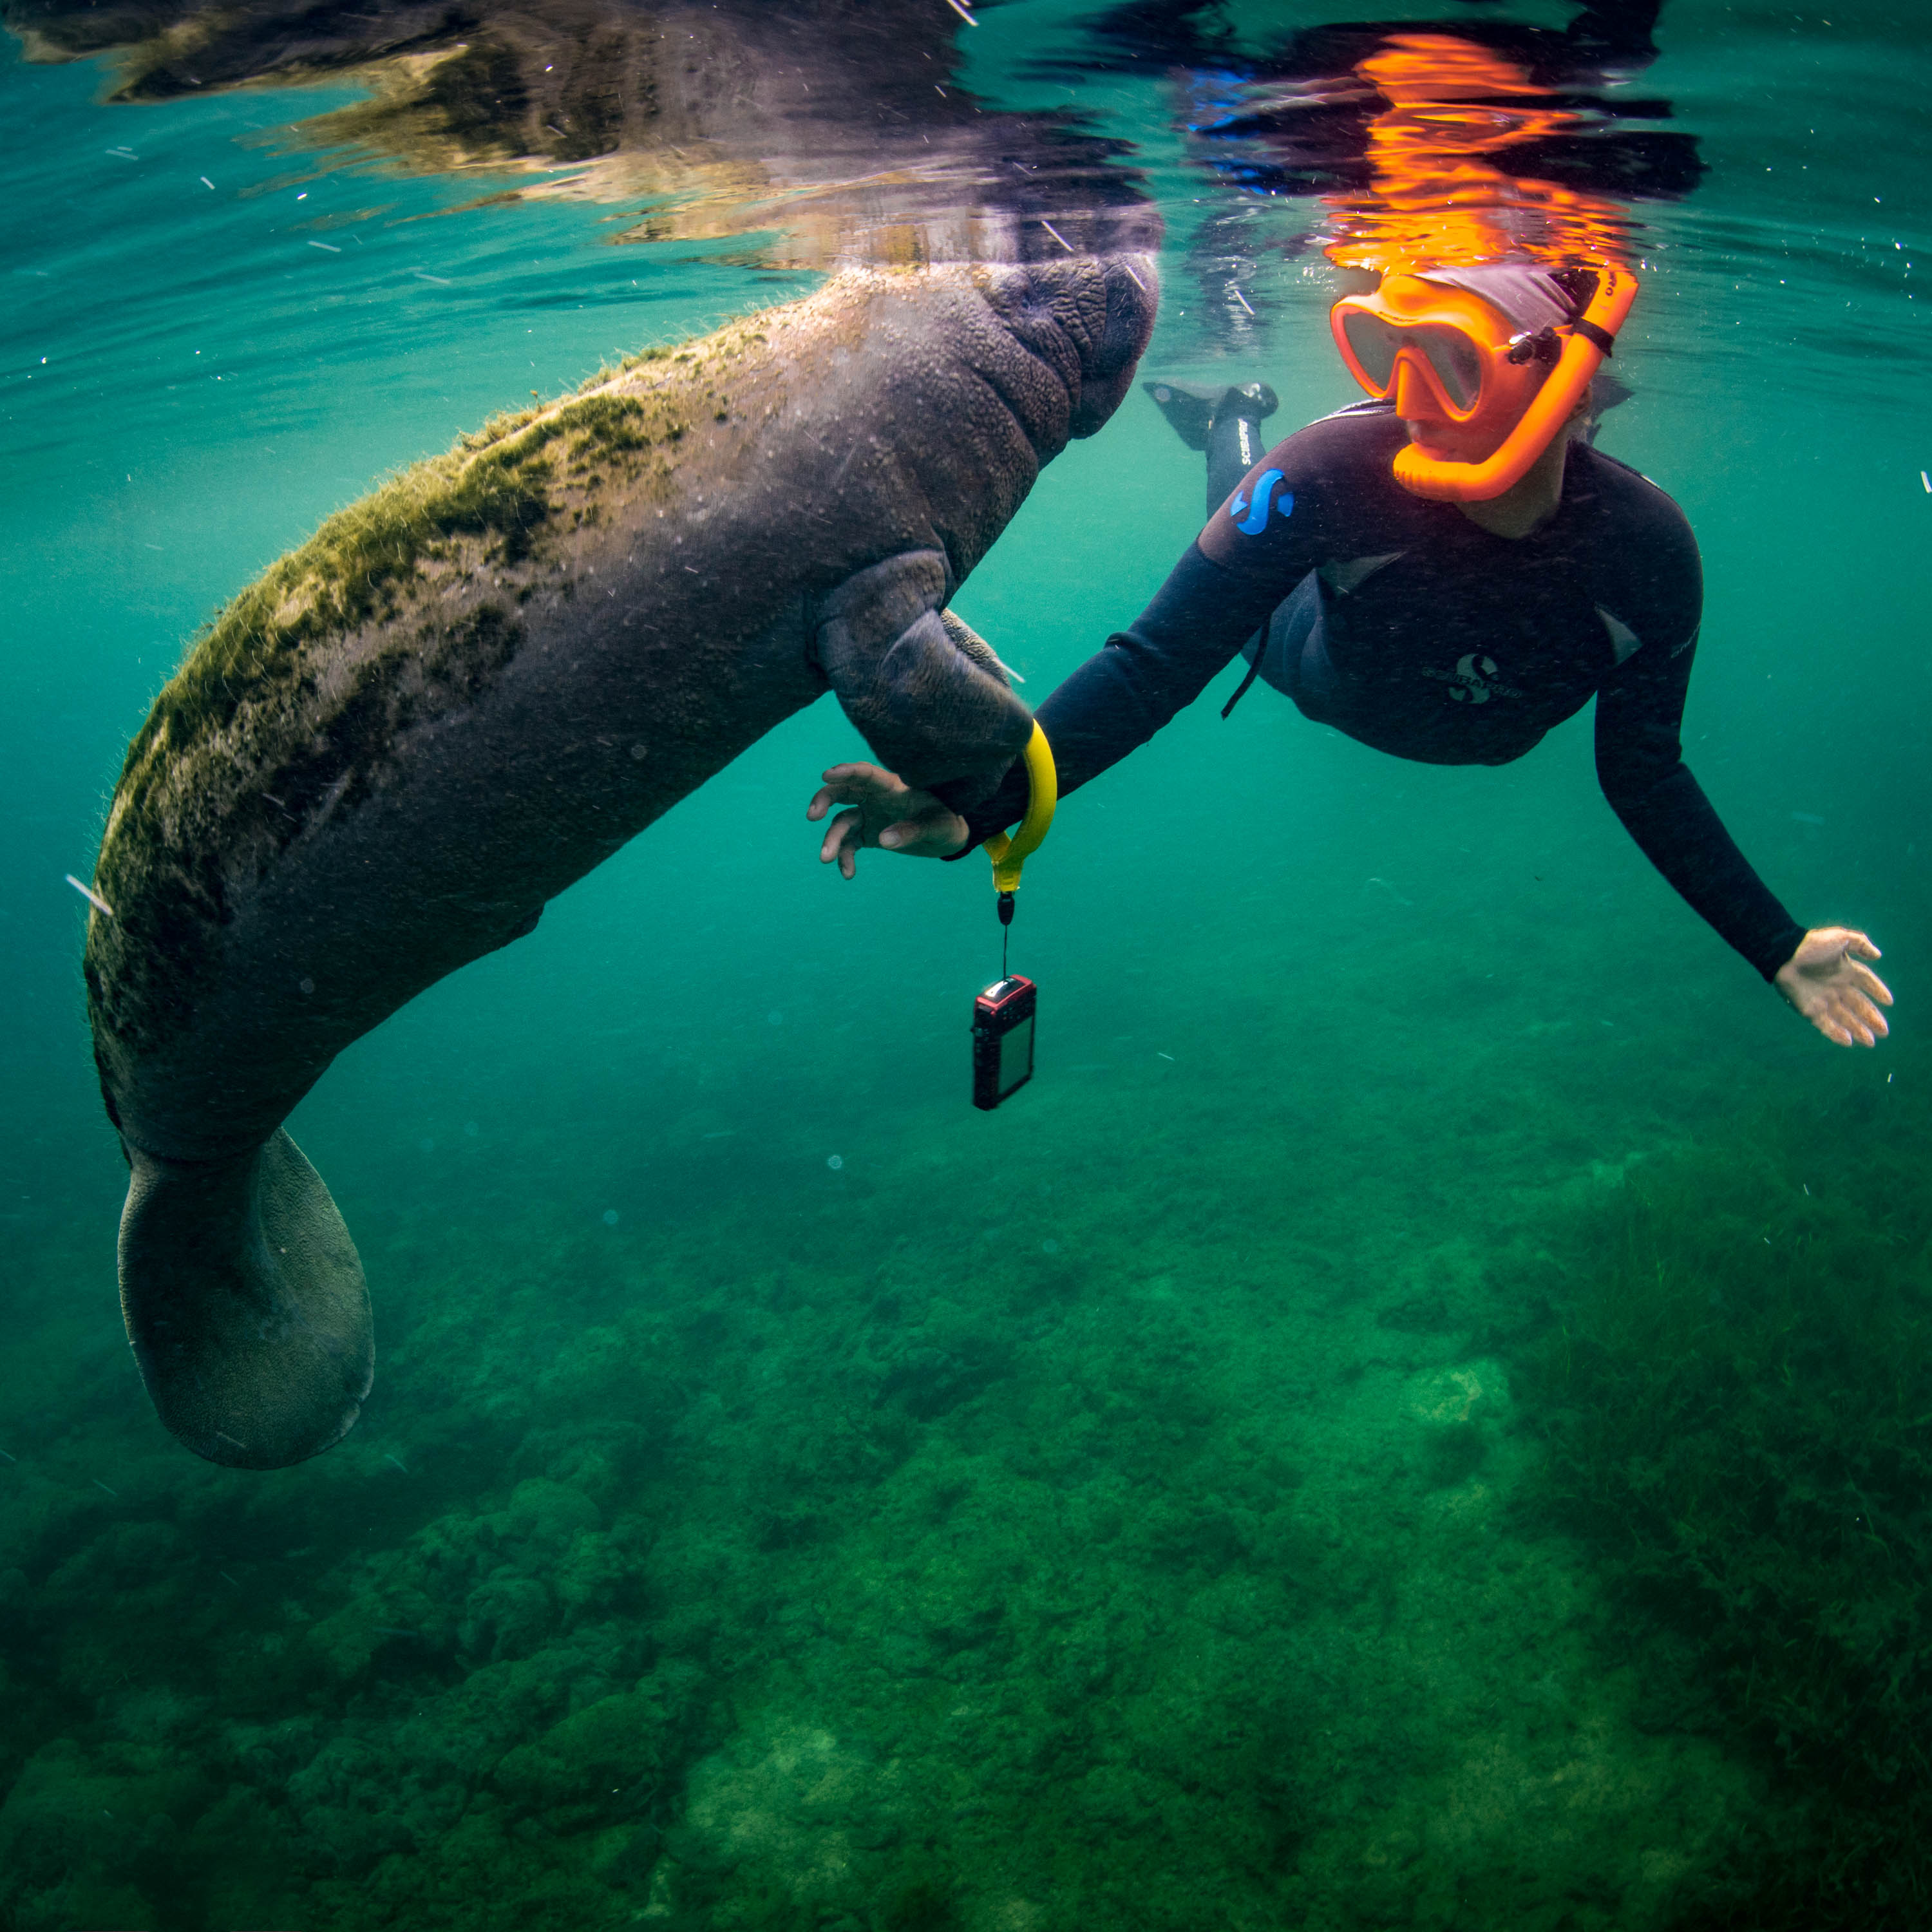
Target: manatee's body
(465, 692)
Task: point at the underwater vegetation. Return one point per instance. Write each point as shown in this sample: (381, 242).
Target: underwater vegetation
(811, 1571)
(1735, 1402)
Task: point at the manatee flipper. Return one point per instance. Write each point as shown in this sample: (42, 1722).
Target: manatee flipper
(245, 1303)
(935, 707)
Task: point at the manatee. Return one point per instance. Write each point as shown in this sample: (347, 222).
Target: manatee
(466, 691)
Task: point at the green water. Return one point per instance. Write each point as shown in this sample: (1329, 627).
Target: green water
(790, 1498)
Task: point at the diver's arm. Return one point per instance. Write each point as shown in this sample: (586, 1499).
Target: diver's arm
(1139, 678)
(1123, 694)
(1118, 699)
(1640, 763)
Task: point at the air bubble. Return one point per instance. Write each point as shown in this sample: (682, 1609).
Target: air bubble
(1049, 1247)
(308, 986)
(427, 1145)
(610, 1217)
(774, 1017)
(835, 1161)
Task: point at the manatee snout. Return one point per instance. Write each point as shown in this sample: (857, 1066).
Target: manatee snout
(1130, 295)
(245, 1304)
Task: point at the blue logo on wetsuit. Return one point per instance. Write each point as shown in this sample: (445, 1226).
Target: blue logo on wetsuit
(1250, 525)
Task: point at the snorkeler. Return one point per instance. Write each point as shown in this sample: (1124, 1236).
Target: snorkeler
(1444, 572)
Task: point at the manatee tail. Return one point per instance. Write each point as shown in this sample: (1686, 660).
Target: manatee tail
(245, 1303)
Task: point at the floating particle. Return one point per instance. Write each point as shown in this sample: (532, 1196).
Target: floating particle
(394, 1464)
(88, 893)
(610, 1217)
(835, 1161)
(774, 1017)
(427, 1145)
(1049, 1247)
(471, 1127)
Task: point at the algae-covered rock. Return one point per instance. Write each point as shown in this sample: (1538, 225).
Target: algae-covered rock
(618, 1748)
(78, 1826)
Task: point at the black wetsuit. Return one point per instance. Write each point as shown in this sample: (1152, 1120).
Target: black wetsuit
(1404, 625)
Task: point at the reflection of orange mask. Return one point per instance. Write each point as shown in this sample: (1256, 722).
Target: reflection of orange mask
(1485, 398)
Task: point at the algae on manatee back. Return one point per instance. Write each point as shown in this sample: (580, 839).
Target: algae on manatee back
(250, 729)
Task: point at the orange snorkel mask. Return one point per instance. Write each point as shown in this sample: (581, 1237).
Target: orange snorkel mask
(1454, 365)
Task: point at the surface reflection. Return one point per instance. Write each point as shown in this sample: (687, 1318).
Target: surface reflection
(835, 134)
(1445, 142)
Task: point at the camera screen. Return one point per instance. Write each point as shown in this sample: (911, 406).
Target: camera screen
(1015, 1056)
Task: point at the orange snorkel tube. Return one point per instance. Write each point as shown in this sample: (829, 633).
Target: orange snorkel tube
(1444, 480)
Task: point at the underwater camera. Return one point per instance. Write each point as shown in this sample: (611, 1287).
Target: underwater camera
(1003, 1018)
(1003, 1014)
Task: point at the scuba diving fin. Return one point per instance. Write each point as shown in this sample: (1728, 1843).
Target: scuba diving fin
(1221, 419)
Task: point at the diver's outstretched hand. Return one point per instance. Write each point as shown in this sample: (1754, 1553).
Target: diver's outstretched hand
(885, 811)
(1827, 981)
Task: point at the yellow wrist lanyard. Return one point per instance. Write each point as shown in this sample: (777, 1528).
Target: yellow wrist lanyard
(1010, 854)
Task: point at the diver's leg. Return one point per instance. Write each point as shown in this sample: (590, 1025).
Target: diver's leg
(1223, 420)
(1189, 408)
(1235, 443)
